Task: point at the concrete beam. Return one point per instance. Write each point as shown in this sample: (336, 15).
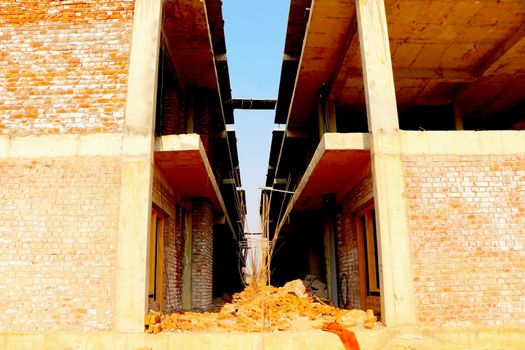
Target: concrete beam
(437, 74)
(469, 142)
(341, 71)
(250, 103)
(509, 46)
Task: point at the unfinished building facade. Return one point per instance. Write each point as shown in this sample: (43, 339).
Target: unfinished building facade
(405, 152)
(119, 179)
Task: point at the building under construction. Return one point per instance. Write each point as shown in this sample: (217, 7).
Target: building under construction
(119, 186)
(398, 180)
(404, 150)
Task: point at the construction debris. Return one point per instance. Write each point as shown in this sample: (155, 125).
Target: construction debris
(267, 308)
(317, 287)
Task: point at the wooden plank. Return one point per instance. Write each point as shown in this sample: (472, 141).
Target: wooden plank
(362, 261)
(152, 249)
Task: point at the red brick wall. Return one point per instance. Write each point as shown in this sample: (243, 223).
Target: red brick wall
(347, 247)
(58, 238)
(173, 119)
(173, 244)
(202, 255)
(63, 65)
(348, 260)
(203, 125)
(467, 228)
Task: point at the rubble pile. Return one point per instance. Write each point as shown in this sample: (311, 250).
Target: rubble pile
(291, 307)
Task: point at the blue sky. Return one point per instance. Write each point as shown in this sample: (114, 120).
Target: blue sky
(255, 32)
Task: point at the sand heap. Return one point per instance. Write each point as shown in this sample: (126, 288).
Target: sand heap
(291, 307)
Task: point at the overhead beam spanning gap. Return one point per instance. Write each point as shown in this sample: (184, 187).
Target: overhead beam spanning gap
(244, 103)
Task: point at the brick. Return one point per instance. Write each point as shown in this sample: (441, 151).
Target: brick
(57, 267)
(64, 65)
(347, 248)
(467, 238)
(173, 245)
(202, 263)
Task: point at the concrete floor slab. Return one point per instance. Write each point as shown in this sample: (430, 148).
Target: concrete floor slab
(414, 338)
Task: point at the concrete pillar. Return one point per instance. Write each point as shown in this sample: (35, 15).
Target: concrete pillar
(137, 170)
(397, 292)
(329, 217)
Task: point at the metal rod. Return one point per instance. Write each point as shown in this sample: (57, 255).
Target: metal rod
(275, 190)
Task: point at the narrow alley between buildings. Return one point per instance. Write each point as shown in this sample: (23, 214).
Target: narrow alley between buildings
(392, 214)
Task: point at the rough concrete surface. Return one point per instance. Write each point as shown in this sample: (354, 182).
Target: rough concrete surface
(415, 338)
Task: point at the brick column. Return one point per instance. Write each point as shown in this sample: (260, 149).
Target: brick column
(202, 255)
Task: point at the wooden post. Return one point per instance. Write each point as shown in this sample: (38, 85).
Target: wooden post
(331, 116)
(397, 293)
(458, 116)
(320, 117)
(326, 114)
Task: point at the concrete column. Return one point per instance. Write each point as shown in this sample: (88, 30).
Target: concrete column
(329, 216)
(137, 170)
(397, 292)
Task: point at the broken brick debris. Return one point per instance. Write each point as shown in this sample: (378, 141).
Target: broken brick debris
(268, 308)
